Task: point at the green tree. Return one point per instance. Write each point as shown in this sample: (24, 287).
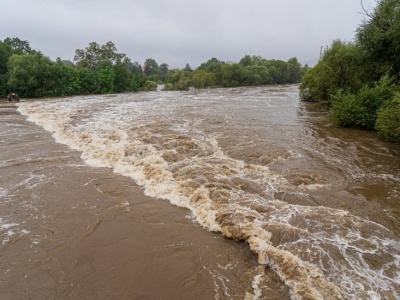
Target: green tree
(178, 80)
(88, 83)
(5, 53)
(30, 75)
(106, 79)
(63, 80)
(257, 75)
(379, 37)
(135, 68)
(18, 46)
(164, 68)
(123, 77)
(9, 47)
(295, 70)
(279, 71)
(202, 79)
(315, 85)
(188, 68)
(137, 82)
(150, 67)
(94, 56)
(361, 77)
(162, 72)
(339, 68)
(213, 65)
(246, 61)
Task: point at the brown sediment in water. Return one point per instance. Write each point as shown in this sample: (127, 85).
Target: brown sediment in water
(81, 232)
(252, 163)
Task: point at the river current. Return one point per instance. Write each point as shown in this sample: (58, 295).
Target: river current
(317, 205)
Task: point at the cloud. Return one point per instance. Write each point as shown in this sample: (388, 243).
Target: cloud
(178, 32)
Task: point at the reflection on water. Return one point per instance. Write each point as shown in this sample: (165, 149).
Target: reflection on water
(318, 205)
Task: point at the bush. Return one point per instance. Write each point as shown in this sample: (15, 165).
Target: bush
(360, 110)
(168, 87)
(388, 121)
(338, 69)
(182, 85)
(313, 87)
(149, 86)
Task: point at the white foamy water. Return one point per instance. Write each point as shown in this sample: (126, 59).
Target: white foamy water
(244, 163)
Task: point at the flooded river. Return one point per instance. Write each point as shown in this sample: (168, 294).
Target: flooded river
(242, 193)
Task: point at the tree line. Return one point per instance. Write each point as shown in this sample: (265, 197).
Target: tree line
(101, 69)
(249, 71)
(360, 80)
(96, 69)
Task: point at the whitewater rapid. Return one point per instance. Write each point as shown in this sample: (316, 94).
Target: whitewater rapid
(240, 161)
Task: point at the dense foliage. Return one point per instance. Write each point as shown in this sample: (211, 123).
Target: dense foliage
(102, 69)
(249, 71)
(97, 69)
(361, 80)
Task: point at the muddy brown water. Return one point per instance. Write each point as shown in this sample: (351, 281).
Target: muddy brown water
(240, 193)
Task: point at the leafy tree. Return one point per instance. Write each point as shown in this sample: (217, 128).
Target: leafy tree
(213, 65)
(188, 68)
(232, 75)
(9, 47)
(178, 80)
(5, 53)
(379, 37)
(202, 79)
(150, 67)
(137, 81)
(87, 79)
(64, 80)
(257, 75)
(134, 68)
(164, 68)
(106, 79)
(295, 70)
(123, 77)
(315, 85)
(30, 75)
(361, 77)
(94, 56)
(18, 46)
(339, 68)
(279, 71)
(246, 61)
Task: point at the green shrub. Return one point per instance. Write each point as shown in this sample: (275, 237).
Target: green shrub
(149, 86)
(388, 121)
(168, 87)
(360, 110)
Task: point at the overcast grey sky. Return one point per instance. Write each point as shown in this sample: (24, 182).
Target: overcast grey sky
(177, 32)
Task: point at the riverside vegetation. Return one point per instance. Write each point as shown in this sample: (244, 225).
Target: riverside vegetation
(360, 80)
(100, 69)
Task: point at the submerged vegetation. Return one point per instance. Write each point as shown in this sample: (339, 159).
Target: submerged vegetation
(361, 80)
(101, 69)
